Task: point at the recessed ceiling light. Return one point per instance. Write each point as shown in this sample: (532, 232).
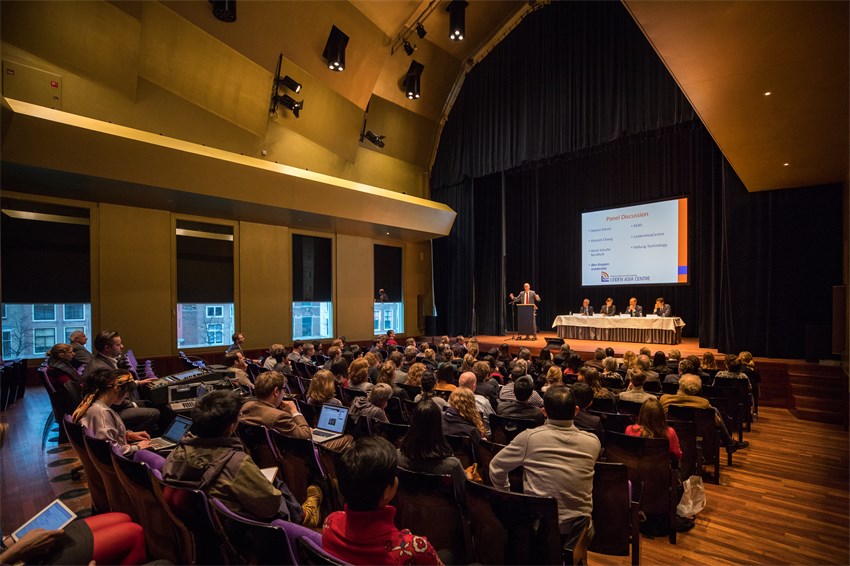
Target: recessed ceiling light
(768, 93)
(786, 164)
(388, 233)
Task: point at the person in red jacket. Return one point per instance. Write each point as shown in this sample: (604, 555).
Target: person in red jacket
(365, 532)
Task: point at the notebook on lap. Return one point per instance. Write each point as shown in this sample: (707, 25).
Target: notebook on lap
(175, 431)
(331, 424)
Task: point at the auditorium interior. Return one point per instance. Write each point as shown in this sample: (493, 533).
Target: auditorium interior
(186, 170)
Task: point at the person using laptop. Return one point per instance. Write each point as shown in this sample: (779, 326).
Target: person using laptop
(212, 459)
(272, 411)
(101, 390)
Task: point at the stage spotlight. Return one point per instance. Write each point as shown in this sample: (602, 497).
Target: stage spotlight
(290, 103)
(457, 19)
(291, 84)
(409, 49)
(334, 52)
(224, 10)
(420, 31)
(374, 138)
(411, 80)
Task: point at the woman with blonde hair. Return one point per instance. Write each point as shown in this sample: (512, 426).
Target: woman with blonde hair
(468, 361)
(629, 360)
(102, 389)
(414, 374)
(358, 375)
(461, 417)
(321, 390)
(554, 378)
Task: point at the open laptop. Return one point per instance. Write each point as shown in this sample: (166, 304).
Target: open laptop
(331, 424)
(175, 431)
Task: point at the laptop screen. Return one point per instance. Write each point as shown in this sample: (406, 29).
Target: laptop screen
(332, 418)
(178, 428)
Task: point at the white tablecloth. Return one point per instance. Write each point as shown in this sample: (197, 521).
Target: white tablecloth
(647, 330)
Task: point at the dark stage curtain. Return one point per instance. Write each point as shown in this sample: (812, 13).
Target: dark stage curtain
(761, 264)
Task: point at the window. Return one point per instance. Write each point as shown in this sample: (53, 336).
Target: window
(43, 312)
(215, 333)
(205, 288)
(389, 308)
(7, 345)
(69, 330)
(42, 340)
(75, 312)
(312, 287)
(3, 310)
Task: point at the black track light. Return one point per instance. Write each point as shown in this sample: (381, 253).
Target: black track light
(291, 84)
(411, 80)
(374, 138)
(334, 52)
(457, 19)
(290, 103)
(420, 31)
(224, 10)
(409, 49)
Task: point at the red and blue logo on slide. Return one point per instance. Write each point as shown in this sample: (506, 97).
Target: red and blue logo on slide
(604, 276)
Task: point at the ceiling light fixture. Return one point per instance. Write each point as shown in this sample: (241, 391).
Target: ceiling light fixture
(284, 99)
(409, 49)
(411, 83)
(768, 93)
(457, 19)
(786, 164)
(374, 138)
(291, 84)
(420, 31)
(334, 52)
(224, 10)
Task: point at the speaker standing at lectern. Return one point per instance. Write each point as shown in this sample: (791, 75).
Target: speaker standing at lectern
(528, 297)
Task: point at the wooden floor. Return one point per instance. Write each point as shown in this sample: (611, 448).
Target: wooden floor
(784, 501)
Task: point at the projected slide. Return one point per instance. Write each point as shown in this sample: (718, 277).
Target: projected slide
(642, 244)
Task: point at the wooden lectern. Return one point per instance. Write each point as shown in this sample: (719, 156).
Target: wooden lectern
(525, 320)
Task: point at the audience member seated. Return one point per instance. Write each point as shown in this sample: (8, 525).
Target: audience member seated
(307, 352)
(461, 417)
(270, 410)
(365, 532)
(673, 358)
(386, 374)
(60, 359)
(629, 362)
(334, 353)
(358, 375)
(698, 371)
(688, 396)
(78, 340)
(373, 406)
(635, 391)
(733, 370)
(110, 538)
(583, 395)
(574, 363)
(520, 407)
(322, 390)
(558, 460)
(428, 384)
(596, 362)
(468, 380)
(651, 423)
(397, 358)
(554, 378)
(236, 346)
(748, 366)
(519, 369)
(414, 374)
(339, 370)
(238, 369)
(659, 364)
(425, 448)
(708, 363)
(445, 378)
(212, 460)
(485, 385)
(295, 354)
(590, 375)
(391, 341)
(609, 367)
(410, 353)
(685, 366)
(101, 390)
(643, 365)
(277, 353)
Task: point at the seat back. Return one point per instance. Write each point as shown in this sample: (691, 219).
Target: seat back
(615, 517)
(258, 445)
(625, 407)
(486, 451)
(504, 429)
(298, 462)
(100, 452)
(412, 390)
(652, 387)
(393, 432)
(310, 412)
(434, 506)
(395, 412)
(611, 382)
(251, 542)
(615, 422)
(648, 462)
(670, 388)
(311, 553)
(708, 443)
(333, 499)
(76, 433)
(604, 404)
(190, 513)
(303, 385)
(462, 449)
(162, 539)
(686, 431)
(512, 528)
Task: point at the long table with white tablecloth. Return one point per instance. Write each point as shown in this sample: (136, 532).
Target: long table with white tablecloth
(646, 330)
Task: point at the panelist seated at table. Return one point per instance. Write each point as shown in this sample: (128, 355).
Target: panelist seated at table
(662, 308)
(634, 308)
(608, 309)
(585, 308)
